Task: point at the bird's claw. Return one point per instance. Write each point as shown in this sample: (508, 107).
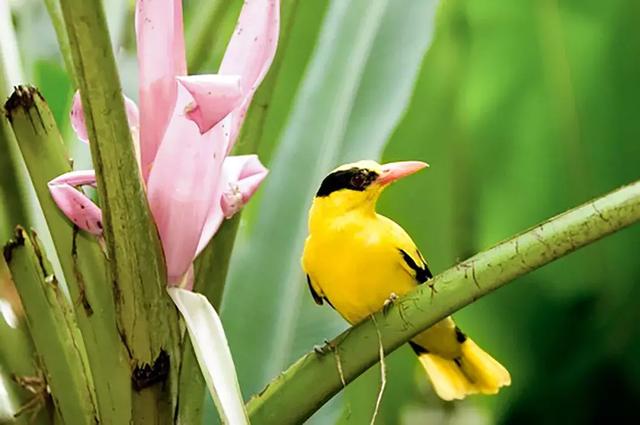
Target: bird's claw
(389, 302)
(326, 348)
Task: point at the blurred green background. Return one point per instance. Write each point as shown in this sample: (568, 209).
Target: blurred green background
(523, 109)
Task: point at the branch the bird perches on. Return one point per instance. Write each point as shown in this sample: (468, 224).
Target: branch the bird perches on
(318, 378)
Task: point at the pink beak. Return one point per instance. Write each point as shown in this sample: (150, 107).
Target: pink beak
(396, 170)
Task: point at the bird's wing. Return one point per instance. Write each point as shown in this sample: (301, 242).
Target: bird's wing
(316, 297)
(418, 266)
(412, 260)
(316, 291)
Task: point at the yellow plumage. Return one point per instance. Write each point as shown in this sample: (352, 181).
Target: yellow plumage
(355, 259)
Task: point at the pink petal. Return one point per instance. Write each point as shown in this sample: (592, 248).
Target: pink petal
(182, 185)
(76, 178)
(211, 226)
(161, 57)
(251, 51)
(77, 116)
(241, 178)
(73, 203)
(215, 97)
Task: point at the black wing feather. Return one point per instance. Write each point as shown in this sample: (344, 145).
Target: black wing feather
(316, 297)
(422, 273)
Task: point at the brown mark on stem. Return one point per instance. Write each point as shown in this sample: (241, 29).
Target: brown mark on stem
(470, 265)
(597, 210)
(520, 256)
(13, 244)
(40, 257)
(540, 238)
(473, 274)
(401, 313)
(22, 97)
(78, 274)
(146, 375)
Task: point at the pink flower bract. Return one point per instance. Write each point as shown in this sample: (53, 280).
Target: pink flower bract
(185, 129)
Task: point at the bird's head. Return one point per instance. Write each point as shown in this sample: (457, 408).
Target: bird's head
(359, 184)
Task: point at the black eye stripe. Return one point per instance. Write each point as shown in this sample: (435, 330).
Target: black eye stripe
(347, 179)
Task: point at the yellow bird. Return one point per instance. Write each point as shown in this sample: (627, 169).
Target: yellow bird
(356, 260)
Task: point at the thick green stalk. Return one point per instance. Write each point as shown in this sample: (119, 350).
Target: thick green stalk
(13, 195)
(54, 331)
(83, 262)
(212, 265)
(17, 357)
(314, 379)
(146, 316)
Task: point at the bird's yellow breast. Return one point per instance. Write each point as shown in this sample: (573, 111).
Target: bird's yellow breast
(355, 262)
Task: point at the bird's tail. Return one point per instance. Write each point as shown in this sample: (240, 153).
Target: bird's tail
(473, 372)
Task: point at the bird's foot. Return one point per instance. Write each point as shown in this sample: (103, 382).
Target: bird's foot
(389, 302)
(326, 348)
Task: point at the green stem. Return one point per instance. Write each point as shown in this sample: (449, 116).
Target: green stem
(147, 318)
(17, 355)
(57, 20)
(81, 259)
(12, 193)
(312, 380)
(212, 265)
(54, 331)
(13, 196)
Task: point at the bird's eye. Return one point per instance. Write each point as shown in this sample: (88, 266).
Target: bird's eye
(358, 180)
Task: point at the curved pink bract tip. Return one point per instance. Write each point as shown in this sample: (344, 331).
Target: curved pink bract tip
(79, 126)
(214, 97)
(250, 52)
(75, 204)
(242, 176)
